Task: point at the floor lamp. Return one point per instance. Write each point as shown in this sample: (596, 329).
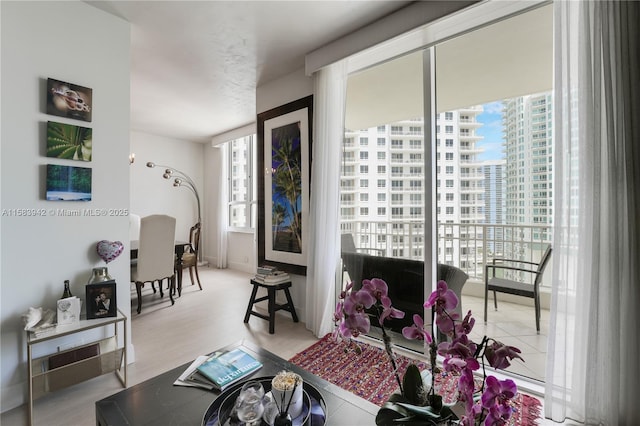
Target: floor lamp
(181, 179)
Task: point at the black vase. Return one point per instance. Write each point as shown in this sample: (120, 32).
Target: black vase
(283, 419)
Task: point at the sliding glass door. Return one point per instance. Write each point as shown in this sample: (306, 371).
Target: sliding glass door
(384, 179)
(447, 164)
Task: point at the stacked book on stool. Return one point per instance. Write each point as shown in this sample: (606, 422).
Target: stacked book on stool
(271, 275)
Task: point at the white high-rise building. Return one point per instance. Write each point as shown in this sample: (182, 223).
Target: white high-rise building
(529, 154)
(383, 179)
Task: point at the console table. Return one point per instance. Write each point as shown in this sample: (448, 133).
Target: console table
(157, 401)
(108, 356)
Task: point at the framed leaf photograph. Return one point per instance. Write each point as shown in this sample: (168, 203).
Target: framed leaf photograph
(68, 141)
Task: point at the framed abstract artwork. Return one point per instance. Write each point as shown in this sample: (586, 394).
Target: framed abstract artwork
(284, 171)
(69, 100)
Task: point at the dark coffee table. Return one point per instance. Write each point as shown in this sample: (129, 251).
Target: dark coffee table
(158, 402)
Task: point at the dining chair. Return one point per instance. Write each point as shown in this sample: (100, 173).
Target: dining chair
(190, 256)
(134, 227)
(156, 254)
(527, 288)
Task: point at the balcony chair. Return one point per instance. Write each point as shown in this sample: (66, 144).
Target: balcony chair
(156, 255)
(190, 256)
(518, 288)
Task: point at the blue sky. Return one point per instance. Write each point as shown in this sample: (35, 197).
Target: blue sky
(491, 131)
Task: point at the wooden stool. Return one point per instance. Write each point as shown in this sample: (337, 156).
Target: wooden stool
(273, 306)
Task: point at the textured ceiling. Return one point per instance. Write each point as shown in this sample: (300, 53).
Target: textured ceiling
(195, 65)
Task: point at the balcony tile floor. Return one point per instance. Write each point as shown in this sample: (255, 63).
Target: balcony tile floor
(514, 325)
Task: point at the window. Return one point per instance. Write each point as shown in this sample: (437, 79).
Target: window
(382, 211)
(364, 155)
(382, 155)
(382, 169)
(364, 196)
(382, 141)
(364, 169)
(242, 201)
(364, 141)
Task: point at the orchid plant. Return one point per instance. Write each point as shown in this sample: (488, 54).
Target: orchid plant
(417, 400)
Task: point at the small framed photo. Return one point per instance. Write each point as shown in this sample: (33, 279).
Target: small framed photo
(101, 300)
(69, 100)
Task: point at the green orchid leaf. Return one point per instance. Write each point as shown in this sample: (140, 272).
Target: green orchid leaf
(413, 385)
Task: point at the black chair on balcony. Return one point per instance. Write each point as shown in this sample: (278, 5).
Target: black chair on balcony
(529, 289)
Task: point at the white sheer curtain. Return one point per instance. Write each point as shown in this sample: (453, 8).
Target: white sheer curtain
(324, 238)
(593, 357)
(223, 203)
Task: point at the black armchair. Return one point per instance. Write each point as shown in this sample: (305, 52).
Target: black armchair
(504, 285)
(405, 278)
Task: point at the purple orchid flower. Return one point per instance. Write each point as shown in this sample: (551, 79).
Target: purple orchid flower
(378, 289)
(498, 415)
(498, 354)
(466, 325)
(442, 298)
(417, 331)
(358, 302)
(499, 391)
(460, 347)
(388, 311)
(355, 324)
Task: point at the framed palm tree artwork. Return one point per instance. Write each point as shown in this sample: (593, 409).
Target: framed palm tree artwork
(284, 164)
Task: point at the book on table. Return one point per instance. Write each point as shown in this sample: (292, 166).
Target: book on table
(225, 368)
(276, 278)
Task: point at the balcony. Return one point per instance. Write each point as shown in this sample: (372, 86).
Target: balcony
(470, 247)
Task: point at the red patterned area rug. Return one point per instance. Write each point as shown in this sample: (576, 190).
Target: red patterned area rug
(369, 375)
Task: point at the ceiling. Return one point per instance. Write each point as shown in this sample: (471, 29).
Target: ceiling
(195, 65)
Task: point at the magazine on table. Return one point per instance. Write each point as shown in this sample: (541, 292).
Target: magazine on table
(219, 370)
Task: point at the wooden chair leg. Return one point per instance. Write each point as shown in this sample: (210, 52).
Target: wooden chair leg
(172, 287)
(197, 276)
(160, 287)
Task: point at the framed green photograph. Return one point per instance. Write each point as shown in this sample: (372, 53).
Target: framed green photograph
(68, 141)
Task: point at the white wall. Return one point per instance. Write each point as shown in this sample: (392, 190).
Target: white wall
(152, 194)
(77, 43)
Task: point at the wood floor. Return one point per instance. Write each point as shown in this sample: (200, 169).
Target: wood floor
(166, 336)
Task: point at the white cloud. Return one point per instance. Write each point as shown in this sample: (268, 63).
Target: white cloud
(493, 107)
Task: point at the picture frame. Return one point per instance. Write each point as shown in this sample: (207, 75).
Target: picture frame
(69, 100)
(69, 142)
(101, 301)
(68, 183)
(284, 171)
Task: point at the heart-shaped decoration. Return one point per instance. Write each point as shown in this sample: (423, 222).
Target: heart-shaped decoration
(109, 250)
